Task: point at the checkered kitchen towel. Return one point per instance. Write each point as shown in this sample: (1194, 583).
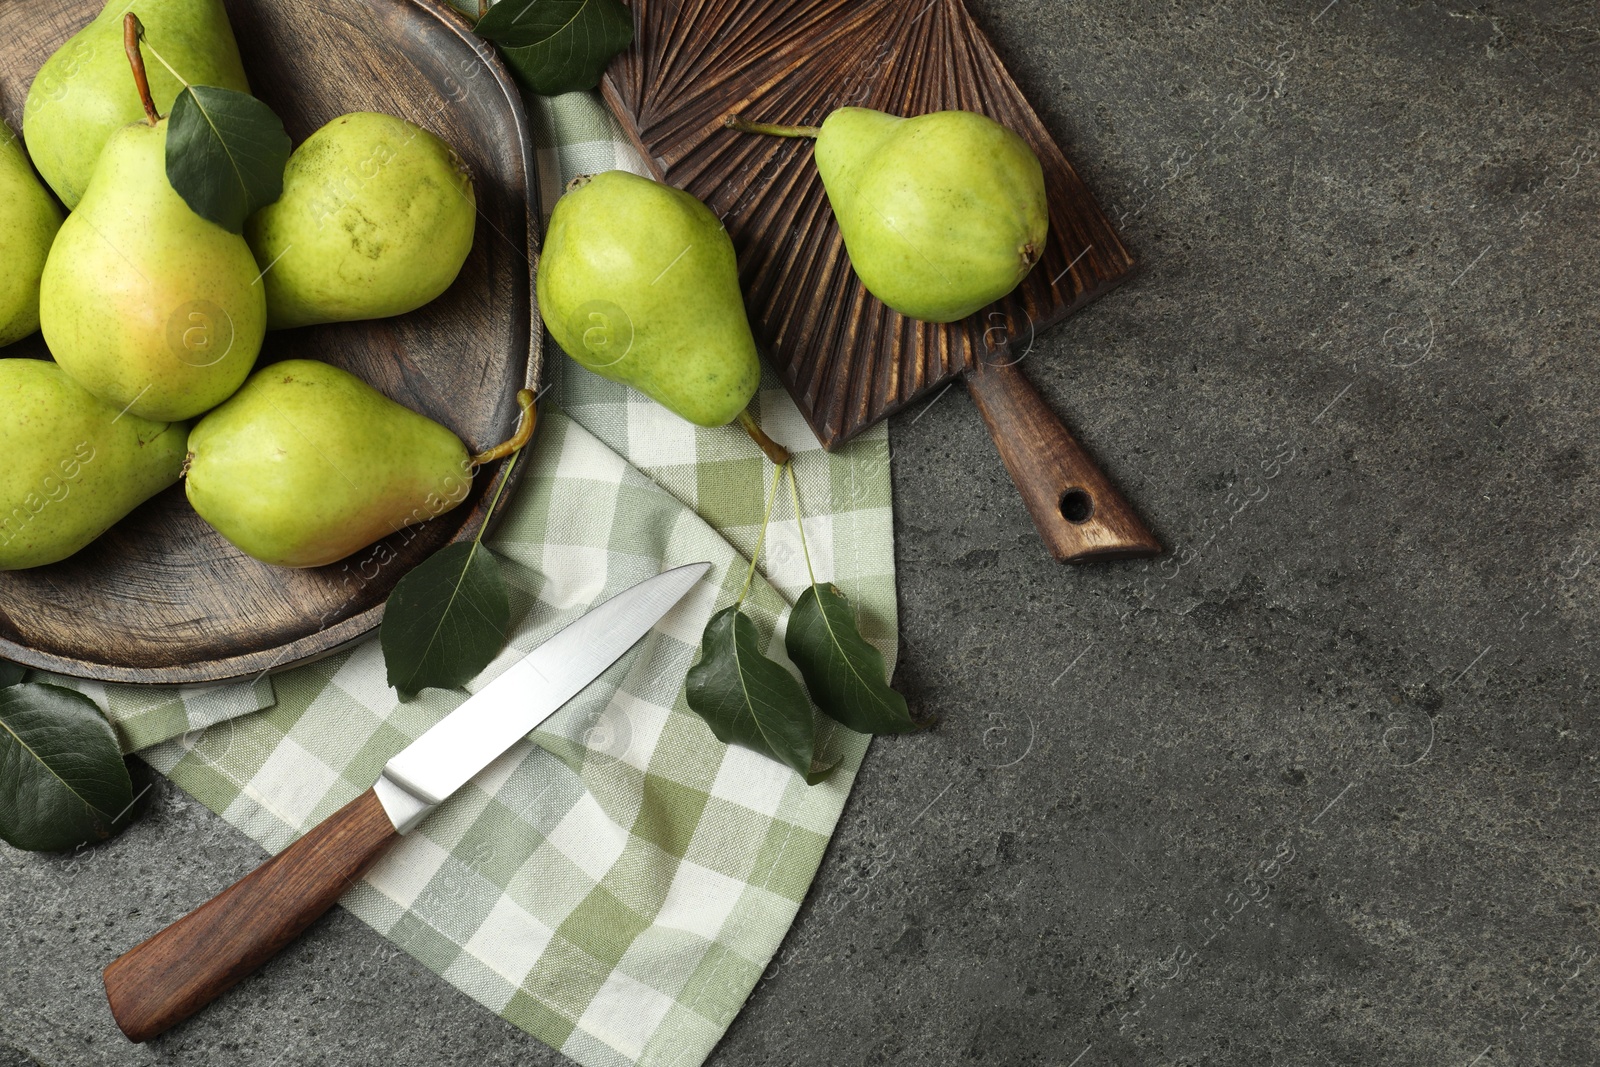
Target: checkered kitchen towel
(616, 888)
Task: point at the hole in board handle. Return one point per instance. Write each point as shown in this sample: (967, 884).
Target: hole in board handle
(1076, 506)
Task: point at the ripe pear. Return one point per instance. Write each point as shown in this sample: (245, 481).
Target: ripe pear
(941, 214)
(639, 284)
(376, 219)
(307, 463)
(150, 306)
(82, 95)
(74, 465)
(29, 219)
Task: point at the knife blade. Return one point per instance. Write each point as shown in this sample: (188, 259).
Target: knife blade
(475, 734)
(180, 970)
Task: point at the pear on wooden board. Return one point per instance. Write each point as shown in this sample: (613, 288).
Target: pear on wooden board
(29, 219)
(307, 463)
(941, 214)
(82, 94)
(74, 465)
(638, 283)
(151, 307)
(376, 218)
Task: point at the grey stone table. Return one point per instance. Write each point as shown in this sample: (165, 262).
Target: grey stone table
(1317, 789)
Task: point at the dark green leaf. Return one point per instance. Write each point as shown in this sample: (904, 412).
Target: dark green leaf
(225, 154)
(844, 672)
(446, 620)
(10, 673)
(746, 698)
(558, 46)
(62, 779)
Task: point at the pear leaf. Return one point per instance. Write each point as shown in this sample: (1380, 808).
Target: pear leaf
(558, 46)
(446, 620)
(63, 782)
(225, 154)
(10, 673)
(748, 699)
(845, 674)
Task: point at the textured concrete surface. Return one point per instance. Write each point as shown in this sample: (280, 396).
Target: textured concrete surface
(1317, 789)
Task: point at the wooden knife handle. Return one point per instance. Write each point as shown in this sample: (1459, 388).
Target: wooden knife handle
(1079, 513)
(168, 978)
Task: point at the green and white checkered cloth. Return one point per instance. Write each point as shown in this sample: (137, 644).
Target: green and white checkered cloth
(616, 885)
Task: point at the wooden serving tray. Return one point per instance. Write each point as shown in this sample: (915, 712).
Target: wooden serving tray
(162, 597)
(847, 359)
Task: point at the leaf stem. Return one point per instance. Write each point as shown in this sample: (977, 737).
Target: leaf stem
(132, 32)
(737, 122)
(775, 452)
(519, 440)
(501, 488)
(170, 68)
(513, 448)
(799, 520)
(761, 539)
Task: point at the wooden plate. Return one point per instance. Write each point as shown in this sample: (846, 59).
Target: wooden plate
(162, 598)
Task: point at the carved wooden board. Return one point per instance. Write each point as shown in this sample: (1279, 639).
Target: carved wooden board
(162, 597)
(847, 359)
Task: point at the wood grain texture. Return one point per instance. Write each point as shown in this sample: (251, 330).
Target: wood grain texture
(847, 359)
(163, 598)
(1080, 515)
(161, 982)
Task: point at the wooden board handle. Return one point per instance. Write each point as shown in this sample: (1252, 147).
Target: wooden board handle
(1079, 513)
(174, 974)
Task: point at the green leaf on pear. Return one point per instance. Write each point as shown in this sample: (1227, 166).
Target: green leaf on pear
(11, 673)
(63, 782)
(446, 620)
(748, 699)
(844, 672)
(226, 152)
(558, 46)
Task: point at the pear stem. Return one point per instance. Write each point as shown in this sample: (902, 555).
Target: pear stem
(775, 452)
(132, 31)
(520, 439)
(736, 122)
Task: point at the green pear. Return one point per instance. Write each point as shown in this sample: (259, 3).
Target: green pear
(74, 464)
(639, 284)
(29, 219)
(307, 463)
(941, 214)
(151, 307)
(82, 95)
(376, 219)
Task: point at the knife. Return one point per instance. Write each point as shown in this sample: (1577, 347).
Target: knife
(180, 970)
